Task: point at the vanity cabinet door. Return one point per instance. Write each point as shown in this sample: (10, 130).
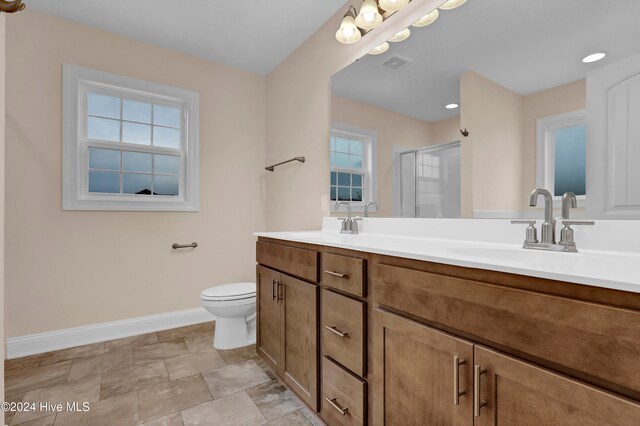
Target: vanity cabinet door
(515, 392)
(416, 382)
(301, 338)
(270, 330)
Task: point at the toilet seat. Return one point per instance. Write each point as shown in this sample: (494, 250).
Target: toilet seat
(229, 292)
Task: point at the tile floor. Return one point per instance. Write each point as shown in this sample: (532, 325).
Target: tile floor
(171, 377)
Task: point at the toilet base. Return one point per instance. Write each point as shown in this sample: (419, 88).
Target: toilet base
(232, 333)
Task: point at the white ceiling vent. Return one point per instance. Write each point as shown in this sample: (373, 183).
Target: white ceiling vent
(395, 62)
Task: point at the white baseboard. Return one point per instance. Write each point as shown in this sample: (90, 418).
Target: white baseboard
(61, 339)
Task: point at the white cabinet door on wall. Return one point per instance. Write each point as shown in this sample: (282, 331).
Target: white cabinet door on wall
(613, 140)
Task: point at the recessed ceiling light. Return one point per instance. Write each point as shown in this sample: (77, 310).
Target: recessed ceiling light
(594, 57)
(452, 106)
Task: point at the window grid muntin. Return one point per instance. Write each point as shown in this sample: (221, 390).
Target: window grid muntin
(362, 171)
(143, 97)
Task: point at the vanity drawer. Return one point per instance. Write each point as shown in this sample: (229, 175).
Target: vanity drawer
(294, 261)
(343, 330)
(342, 392)
(596, 340)
(344, 273)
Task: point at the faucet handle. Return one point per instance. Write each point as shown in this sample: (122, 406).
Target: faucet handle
(577, 222)
(532, 232)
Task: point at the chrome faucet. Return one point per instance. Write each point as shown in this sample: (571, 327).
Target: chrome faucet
(349, 224)
(549, 226)
(366, 208)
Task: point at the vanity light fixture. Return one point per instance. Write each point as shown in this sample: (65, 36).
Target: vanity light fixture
(380, 49)
(451, 106)
(348, 32)
(594, 57)
(452, 4)
(369, 16)
(401, 36)
(393, 5)
(427, 19)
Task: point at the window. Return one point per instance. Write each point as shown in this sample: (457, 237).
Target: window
(128, 144)
(561, 158)
(351, 159)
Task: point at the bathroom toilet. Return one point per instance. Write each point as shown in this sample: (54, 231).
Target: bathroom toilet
(234, 306)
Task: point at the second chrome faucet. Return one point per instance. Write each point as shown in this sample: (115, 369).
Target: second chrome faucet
(548, 240)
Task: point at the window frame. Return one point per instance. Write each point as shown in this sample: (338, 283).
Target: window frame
(77, 83)
(545, 150)
(369, 187)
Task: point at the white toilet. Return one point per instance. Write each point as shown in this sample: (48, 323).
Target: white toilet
(234, 306)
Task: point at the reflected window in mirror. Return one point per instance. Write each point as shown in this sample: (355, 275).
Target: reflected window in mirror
(561, 158)
(351, 174)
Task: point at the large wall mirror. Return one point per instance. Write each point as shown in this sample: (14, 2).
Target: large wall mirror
(470, 113)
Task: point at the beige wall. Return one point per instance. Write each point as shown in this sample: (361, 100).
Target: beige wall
(445, 131)
(558, 100)
(2, 169)
(298, 117)
(391, 129)
(67, 269)
(492, 154)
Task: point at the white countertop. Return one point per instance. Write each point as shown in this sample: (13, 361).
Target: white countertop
(490, 248)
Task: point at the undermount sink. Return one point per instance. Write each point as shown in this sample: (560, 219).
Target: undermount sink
(519, 255)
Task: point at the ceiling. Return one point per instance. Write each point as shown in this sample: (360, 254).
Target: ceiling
(252, 35)
(526, 46)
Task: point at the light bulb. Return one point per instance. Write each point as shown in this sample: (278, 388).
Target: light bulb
(594, 57)
(393, 5)
(369, 17)
(348, 32)
(427, 19)
(402, 35)
(380, 49)
(452, 4)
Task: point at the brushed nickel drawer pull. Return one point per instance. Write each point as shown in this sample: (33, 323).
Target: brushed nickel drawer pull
(457, 393)
(273, 289)
(336, 331)
(335, 405)
(337, 274)
(477, 401)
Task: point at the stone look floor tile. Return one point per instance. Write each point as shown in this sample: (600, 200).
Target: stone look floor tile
(99, 364)
(72, 353)
(28, 379)
(178, 333)
(232, 356)
(120, 410)
(265, 367)
(312, 417)
(159, 351)
(42, 421)
(174, 419)
(208, 327)
(22, 363)
(132, 342)
(167, 398)
(123, 381)
(8, 415)
(232, 410)
(193, 363)
(233, 378)
(84, 390)
(273, 400)
(200, 341)
(294, 419)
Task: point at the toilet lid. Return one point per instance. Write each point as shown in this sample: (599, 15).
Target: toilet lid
(230, 292)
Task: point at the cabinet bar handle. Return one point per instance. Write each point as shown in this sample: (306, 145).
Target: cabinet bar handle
(273, 289)
(337, 274)
(457, 393)
(335, 405)
(336, 331)
(279, 292)
(477, 401)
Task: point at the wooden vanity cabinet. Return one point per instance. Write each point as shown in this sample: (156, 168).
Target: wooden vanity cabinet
(407, 342)
(287, 325)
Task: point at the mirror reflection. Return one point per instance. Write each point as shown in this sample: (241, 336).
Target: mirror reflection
(470, 113)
